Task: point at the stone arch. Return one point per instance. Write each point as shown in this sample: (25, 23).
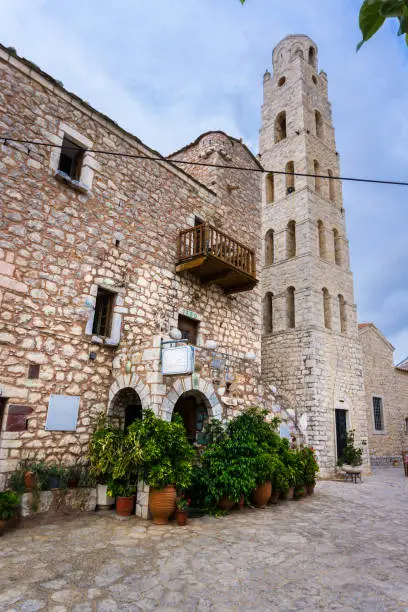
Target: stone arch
(312, 56)
(191, 383)
(269, 247)
(316, 172)
(268, 313)
(297, 51)
(319, 124)
(124, 381)
(280, 126)
(269, 188)
(291, 239)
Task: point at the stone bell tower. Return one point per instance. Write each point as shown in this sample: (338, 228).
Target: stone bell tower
(311, 351)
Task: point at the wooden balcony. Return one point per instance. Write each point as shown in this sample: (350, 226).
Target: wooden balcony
(216, 258)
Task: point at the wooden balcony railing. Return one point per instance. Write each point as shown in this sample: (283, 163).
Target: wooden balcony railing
(216, 257)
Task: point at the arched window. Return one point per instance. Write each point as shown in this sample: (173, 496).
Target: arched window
(281, 81)
(316, 171)
(342, 313)
(322, 239)
(290, 307)
(332, 193)
(312, 56)
(269, 248)
(270, 189)
(280, 127)
(337, 247)
(268, 313)
(297, 52)
(319, 124)
(327, 308)
(291, 239)
(290, 177)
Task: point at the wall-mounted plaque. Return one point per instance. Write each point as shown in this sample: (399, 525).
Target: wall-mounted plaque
(62, 413)
(178, 360)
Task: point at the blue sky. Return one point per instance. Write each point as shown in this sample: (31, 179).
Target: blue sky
(168, 70)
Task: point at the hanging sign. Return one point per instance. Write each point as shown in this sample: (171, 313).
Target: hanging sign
(178, 360)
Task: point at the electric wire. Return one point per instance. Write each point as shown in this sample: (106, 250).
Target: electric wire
(7, 139)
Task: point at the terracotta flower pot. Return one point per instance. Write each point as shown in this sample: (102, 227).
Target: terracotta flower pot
(289, 493)
(241, 504)
(262, 494)
(72, 484)
(182, 518)
(225, 503)
(162, 503)
(30, 480)
(310, 489)
(274, 497)
(124, 505)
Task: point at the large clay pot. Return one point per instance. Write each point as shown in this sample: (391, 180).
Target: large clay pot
(30, 480)
(124, 505)
(274, 497)
(162, 503)
(181, 517)
(310, 489)
(225, 503)
(262, 494)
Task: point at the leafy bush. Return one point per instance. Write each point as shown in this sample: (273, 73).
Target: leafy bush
(310, 465)
(9, 502)
(351, 455)
(165, 453)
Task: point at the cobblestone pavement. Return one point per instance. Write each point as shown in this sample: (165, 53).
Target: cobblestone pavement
(345, 548)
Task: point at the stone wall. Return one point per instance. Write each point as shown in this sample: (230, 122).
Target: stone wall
(382, 379)
(117, 229)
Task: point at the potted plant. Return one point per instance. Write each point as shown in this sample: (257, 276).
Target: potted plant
(55, 476)
(310, 469)
(124, 492)
(9, 503)
(279, 481)
(182, 504)
(74, 475)
(114, 457)
(351, 456)
(264, 470)
(167, 461)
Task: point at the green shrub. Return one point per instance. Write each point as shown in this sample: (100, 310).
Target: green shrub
(351, 455)
(9, 502)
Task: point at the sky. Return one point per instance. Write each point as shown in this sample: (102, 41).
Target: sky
(168, 70)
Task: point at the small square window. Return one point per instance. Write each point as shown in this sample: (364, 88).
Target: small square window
(71, 159)
(105, 302)
(378, 414)
(188, 328)
(33, 370)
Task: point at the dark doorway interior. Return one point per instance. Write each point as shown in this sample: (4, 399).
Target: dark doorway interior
(126, 406)
(192, 407)
(3, 402)
(341, 431)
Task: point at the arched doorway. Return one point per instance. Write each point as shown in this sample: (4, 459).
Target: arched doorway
(126, 406)
(193, 407)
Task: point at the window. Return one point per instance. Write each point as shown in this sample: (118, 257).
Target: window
(270, 191)
(102, 323)
(337, 247)
(280, 127)
(33, 370)
(342, 313)
(291, 239)
(378, 414)
(291, 307)
(316, 171)
(269, 248)
(318, 124)
(312, 56)
(268, 313)
(281, 81)
(406, 426)
(314, 79)
(71, 158)
(290, 177)
(332, 192)
(322, 239)
(188, 328)
(326, 308)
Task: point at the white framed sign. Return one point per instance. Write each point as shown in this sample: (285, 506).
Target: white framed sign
(178, 360)
(62, 413)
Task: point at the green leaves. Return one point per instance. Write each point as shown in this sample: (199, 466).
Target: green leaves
(373, 13)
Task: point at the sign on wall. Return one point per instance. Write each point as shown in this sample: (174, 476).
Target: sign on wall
(178, 360)
(62, 413)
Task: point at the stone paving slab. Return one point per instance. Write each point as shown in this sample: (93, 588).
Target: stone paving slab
(345, 548)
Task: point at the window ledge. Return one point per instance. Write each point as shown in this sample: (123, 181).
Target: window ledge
(63, 177)
(105, 341)
(377, 432)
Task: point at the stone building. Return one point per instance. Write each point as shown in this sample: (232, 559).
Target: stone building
(101, 257)
(310, 345)
(105, 254)
(386, 389)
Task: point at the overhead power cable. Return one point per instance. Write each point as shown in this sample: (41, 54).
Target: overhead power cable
(7, 139)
